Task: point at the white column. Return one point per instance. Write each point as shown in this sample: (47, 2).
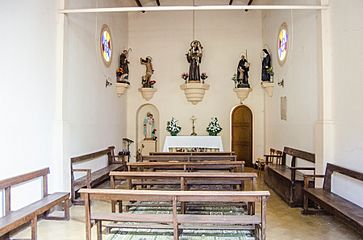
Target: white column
(59, 172)
(324, 128)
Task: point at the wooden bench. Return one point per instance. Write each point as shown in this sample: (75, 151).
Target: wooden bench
(175, 220)
(188, 166)
(287, 181)
(349, 212)
(183, 179)
(95, 178)
(191, 153)
(12, 220)
(187, 158)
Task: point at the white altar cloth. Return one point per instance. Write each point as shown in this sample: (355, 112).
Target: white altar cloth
(193, 142)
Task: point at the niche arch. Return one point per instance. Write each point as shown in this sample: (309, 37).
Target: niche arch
(140, 115)
(242, 133)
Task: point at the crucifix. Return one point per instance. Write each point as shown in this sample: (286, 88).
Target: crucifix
(193, 121)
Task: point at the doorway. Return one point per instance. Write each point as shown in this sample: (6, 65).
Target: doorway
(242, 134)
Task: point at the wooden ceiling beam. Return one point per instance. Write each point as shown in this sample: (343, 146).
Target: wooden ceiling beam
(230, 2)
(249, 3)
(138, 3)
(158, 2)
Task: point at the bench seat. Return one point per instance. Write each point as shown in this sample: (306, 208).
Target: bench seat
(346, 210)
(340, 205)
(23, 215)
(288, 181)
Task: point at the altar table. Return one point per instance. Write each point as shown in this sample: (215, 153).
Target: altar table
(197, 142)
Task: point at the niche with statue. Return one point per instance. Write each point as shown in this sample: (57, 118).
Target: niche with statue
(147, 125)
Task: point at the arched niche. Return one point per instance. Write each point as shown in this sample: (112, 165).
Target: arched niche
(242, 133)
(140, 116)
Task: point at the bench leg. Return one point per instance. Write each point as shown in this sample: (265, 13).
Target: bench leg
(5, 237)
(66, 209)
(305, 204)
(99, 230)
(34, 228)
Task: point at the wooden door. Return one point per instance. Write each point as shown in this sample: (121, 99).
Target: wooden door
(242, 134)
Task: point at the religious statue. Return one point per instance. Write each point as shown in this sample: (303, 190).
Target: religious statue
(267, 72)
(242, 73)
(149, 126)
(122, 73)
(146, 80)
(194, 57)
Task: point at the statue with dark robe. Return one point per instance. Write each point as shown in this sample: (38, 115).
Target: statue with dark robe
(242, 73)
(266, 65)
(194, 57)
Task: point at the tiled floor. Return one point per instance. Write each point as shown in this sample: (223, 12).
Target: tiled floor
(283, 223)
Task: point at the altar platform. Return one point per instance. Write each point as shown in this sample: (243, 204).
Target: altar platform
(193, 143)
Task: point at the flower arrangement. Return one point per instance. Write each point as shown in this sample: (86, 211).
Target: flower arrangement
(172, 127)
(270, 71)
(185, 76)
(214, 128)
(234, 79)
(203, 76)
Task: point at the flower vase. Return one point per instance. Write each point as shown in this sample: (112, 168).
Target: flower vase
(213, 134)
(173, 133)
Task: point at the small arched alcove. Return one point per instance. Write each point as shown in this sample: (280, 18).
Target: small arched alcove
(241, 129)
(143, 144)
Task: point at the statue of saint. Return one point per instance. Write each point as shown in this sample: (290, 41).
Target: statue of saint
(123, 71)
(149, 126)
(266, 65)
(194, 57)
(146, 80)
(242, 73)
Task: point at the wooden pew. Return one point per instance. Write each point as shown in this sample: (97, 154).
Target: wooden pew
(349, 212)
(95, 178)
(13, 220)
(287, 181)
(183, 179)
(175, 220)
(188, 166)
(191, 153)
(187, 158)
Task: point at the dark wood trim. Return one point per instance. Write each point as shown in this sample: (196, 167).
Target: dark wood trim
(158, 2)
(138, 3)
(230, 2)
(249, 3)
(89, 156)
(296, 153)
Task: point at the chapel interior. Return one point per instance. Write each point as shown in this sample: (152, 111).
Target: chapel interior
(190, 119)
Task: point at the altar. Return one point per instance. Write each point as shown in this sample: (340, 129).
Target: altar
(193, 143)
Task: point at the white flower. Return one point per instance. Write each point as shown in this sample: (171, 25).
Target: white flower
(214, 126)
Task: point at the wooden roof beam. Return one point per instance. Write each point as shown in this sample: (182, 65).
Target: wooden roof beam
(158, 2)
(230, 2)
(249, 3)
(138, 3)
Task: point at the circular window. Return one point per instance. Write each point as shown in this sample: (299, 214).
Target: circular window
(282, 44)
(106, 45)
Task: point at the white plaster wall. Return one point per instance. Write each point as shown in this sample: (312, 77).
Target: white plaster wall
(27, 89)
(300, 74)
(94, 116)
(166, 37)
(347, 72)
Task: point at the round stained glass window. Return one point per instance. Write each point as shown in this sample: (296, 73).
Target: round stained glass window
(106, 45)
(282, 44)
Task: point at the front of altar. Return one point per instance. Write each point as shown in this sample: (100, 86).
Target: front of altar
(193, 143)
